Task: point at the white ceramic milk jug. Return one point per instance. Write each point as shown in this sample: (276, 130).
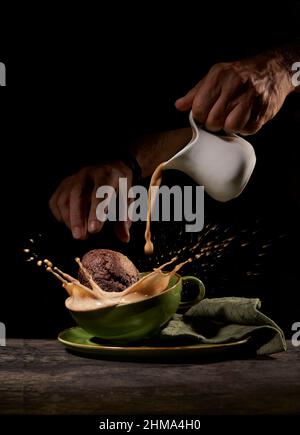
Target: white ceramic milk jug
(222, 164)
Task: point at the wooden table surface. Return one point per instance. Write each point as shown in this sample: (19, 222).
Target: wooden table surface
(41, 377)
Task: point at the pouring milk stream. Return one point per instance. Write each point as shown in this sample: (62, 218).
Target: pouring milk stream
(222, 164)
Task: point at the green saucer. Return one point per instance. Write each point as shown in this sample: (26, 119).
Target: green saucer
(79, 341)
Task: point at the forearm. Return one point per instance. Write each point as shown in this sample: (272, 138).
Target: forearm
(152, 150)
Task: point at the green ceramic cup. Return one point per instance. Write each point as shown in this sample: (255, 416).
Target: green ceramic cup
(138, 320)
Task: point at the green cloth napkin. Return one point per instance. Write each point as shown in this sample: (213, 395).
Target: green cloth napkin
(224, 320)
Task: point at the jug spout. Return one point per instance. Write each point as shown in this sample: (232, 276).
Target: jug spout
(222, 164)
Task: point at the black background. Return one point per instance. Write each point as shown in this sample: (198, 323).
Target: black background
(68, 78)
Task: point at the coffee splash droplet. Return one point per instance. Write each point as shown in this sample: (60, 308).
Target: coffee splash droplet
(48, 263)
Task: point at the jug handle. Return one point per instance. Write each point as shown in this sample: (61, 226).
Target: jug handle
(195, 128)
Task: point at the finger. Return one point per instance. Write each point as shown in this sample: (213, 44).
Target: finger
(215, 120)
(94, 225)
(63, 204)
(232, 88)
(185, 103)
(239, 116)
(54, 207)
(206, 96)
(256, 119)
(121, 230)
(78, 212)
(60, 198)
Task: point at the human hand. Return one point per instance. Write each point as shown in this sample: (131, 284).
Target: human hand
(239, 97)
(74, 202)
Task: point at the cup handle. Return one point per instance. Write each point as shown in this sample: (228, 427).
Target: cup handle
(195, 299)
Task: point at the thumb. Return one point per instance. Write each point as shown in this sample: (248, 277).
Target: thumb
(186, 102)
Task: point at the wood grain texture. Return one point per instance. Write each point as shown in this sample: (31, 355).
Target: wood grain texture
(40, 377)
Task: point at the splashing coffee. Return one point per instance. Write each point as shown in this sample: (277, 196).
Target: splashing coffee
(83, 298)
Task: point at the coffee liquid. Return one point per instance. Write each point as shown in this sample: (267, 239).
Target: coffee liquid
(155, 181)
(82, 298)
